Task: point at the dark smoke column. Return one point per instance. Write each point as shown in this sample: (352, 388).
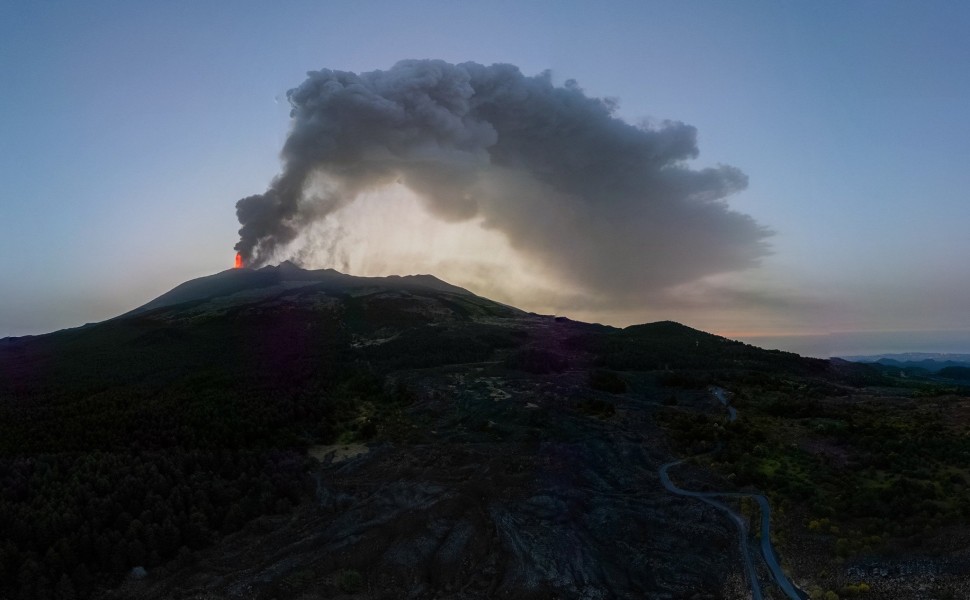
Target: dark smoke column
(265, 222)
(606, 205)
(360, 131)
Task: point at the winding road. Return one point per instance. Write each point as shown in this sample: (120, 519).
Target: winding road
(767, 550)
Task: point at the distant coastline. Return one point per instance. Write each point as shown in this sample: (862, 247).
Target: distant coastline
(856, 343)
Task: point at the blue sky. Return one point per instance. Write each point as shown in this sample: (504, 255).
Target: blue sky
(129, 129)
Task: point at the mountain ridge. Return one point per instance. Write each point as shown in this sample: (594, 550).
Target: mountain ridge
(483, 440)
(932, 362)
(231, 281)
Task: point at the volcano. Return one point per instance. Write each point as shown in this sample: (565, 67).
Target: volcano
(287, 281)
(289, 433)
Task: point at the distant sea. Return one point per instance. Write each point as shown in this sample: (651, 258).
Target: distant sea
(856, 343)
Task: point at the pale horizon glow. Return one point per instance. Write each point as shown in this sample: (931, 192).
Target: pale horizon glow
(129, 130)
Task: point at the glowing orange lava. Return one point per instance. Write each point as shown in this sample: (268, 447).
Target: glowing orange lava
(239, 262)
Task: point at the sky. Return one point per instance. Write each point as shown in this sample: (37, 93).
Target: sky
(128, 131)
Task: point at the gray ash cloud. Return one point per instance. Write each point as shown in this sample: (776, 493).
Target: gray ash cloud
(602, 204)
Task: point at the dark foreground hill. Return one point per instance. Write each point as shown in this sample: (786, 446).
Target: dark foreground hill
(281, 433)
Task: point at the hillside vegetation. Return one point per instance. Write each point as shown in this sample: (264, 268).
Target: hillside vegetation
(171, 451)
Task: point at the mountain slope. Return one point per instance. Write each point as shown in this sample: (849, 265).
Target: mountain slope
(270, 280)
(288, 433)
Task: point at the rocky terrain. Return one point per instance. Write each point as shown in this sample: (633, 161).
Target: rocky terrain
(290, 434)
(491, 481)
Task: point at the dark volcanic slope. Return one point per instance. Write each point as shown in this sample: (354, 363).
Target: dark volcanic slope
(464, 448)
(268, 281)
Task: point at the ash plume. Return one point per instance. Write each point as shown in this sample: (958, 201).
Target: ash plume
(603, 204)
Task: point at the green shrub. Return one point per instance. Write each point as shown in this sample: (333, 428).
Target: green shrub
(350, 581)
(607, 381)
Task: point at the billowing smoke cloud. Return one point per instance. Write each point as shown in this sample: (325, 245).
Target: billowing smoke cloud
(607, 206)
